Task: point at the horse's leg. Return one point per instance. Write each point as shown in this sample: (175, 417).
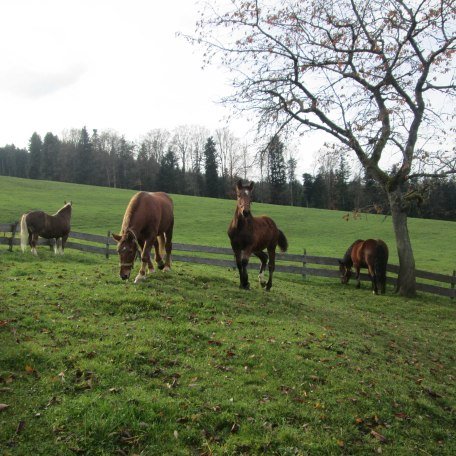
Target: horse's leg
(56, 240)
(264, 261)
(357, 269)
(271, 252)
(33, 242)
(243, 279)
(373, 277)
(63, 243)
(145, 262)
(168, 247)
(158, 257)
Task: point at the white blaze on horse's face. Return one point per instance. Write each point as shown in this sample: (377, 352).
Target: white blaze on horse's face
(127, 252)
(244, 198)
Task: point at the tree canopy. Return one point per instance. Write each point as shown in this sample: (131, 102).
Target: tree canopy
(370, 74)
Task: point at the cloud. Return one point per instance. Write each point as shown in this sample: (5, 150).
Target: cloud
(33, 84)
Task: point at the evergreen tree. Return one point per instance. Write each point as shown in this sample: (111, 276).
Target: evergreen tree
(168, 174)
(49, 157)
(341, 186)
(126, 169)
(210, 165)
(277, 170)
(35, 156)
(307, 193)
(84, 158)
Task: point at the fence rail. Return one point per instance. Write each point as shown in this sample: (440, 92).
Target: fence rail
(294, 263)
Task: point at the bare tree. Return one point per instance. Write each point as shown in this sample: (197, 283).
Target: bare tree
(365, 72)
(229, 155)
(156, 142)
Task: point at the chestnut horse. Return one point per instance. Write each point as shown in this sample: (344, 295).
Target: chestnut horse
(371, 254)
(148, 221)
(38, 223)
(250, 234)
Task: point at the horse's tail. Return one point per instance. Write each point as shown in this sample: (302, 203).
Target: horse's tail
(381, 260)
(24, 232)
(282, 241)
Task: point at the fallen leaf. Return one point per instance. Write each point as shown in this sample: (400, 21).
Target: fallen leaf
(381, 438)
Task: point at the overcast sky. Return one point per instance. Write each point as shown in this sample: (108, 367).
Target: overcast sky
(106, 64)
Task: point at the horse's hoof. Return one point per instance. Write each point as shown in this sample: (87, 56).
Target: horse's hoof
(161, 265)
(263, 284)
(166, 269)
(140, 278)
(245, 287)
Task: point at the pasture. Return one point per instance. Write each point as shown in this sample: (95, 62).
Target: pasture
(186, 363)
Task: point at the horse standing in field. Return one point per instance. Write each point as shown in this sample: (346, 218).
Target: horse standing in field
(250, 234)
(38, 223)
(371, 254)
(148, 221)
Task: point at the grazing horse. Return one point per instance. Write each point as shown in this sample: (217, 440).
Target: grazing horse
(250, 234)
(38, 223)
(371, 254)
(148, 221)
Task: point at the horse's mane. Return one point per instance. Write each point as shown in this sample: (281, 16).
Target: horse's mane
(131, 209)
(63, 209)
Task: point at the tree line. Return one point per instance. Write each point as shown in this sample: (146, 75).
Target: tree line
(191, 161)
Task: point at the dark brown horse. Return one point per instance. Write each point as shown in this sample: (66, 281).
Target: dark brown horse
(148, 221)
(38, 223)
(371, 254)
(250, 234)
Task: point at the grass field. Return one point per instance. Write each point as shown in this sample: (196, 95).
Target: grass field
(186, 363)
(205, 220)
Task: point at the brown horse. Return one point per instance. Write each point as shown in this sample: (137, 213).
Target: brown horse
(250, 234)
(38, 223)
(371, 254)
(148, 221)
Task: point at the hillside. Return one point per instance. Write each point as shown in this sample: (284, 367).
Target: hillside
(205, 220)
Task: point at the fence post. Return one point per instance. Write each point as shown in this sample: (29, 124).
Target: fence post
(304, 263)
(453, 282)
(13, 233)
(107, 244)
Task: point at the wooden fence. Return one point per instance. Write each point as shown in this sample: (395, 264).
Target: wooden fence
(443, 285)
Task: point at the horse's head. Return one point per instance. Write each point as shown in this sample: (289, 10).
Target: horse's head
(127, 247)
(345, 272)
(244, 197)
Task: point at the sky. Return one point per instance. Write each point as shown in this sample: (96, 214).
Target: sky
(105, 64)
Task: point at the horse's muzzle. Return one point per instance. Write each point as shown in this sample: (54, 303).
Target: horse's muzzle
(124, 276)
(246, 213)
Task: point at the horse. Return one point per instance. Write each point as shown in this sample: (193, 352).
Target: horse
(371, 254)
(38, 223)
(148, 222)
(250, 234)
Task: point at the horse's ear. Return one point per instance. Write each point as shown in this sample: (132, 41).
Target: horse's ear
(64, 202)
(251, 185)
(116, 237)
(239, 184)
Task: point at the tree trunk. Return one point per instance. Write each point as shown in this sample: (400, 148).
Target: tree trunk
(406, 284)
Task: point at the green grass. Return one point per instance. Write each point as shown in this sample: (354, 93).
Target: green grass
(186, 363)
(205, 220)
